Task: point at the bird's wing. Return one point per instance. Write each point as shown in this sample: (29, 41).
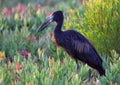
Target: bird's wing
(84, 48)
(81, 47)
(80, 43)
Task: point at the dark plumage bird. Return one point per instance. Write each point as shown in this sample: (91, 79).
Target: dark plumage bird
(75, 44)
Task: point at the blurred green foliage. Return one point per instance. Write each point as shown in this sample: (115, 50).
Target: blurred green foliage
(35, 2)
(47, 64)
(101, 18)
(99, 22)
(45, 70)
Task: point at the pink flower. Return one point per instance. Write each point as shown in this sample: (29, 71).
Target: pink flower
(48, 14)
(5, 11)
(97, 82)
(32, 39)
(24, 53)
(20, 8)
(39, 7)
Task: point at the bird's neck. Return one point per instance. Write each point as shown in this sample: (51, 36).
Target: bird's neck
(58, 27)
(58, 32)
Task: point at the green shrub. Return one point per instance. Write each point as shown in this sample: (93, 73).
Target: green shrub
(102, 24)
(97, 21)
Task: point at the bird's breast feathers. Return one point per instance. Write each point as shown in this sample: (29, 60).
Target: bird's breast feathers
(54, 39)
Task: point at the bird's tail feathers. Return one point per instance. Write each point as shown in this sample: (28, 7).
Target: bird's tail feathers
(101, 71)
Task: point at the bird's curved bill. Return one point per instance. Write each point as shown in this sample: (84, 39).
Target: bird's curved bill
(46, 23)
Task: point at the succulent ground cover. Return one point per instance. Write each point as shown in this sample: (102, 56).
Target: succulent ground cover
(31, 58)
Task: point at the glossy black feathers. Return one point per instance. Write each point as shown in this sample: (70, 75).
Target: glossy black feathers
(79, 48)
(76, 45)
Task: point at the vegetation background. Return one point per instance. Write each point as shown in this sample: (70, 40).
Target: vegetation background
(31, 58)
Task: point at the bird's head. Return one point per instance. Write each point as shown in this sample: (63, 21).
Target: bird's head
(56, 16)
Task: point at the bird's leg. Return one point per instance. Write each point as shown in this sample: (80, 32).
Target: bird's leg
(89, 76)
(77, 67)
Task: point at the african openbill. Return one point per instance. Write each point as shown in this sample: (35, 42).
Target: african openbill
(75, 44)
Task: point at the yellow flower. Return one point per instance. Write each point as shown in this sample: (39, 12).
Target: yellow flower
(1, 80)
(51, 70)
(51, 60)
(2, 54)
(83, 2)
(29, 55)
(38, 12)
(39, 52)
(16, 17)
(67, 26)
(25, 21)
(71, 11)
(58, 51)
(76, 76)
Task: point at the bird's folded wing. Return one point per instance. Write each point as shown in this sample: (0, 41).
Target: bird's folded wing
(81, 47)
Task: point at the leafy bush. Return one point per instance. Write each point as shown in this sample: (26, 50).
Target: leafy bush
(98, 20)
(36, 60)
(102, 24)
(46, 70)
